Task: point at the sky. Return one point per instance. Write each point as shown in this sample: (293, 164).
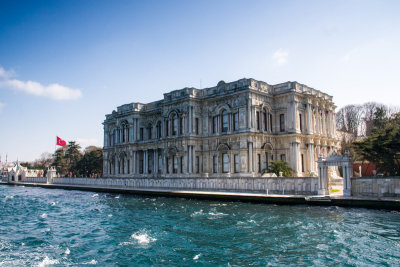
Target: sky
(65, 64)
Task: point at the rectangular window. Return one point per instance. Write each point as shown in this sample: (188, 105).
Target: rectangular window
(160, 163)
(166, 127)
(265, 121)
(167, 165)
(149, 162)
(259, 162)
(235, 121)
(129, 166)
(141, 134)
(197, 125)
(215, 124)
(236, 159)
(181, 164)
(175, 126)
(282, 122)
(270, 122)
(258, 120)
(127, 137)
(149, 133)
(266, 160)
(225, 122)
(175, 162)
(283, 157)
(215, 164)
(141, 165)
(225, 163)
(180, 125)
(302, 163)
(197, 164)
(301, 123)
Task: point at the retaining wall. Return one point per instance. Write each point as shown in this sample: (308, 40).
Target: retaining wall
(375, 187)
(293, 186)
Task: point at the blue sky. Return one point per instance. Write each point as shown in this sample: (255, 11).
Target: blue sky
(65, 64)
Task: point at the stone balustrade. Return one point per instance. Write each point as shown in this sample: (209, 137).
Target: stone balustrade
(288, 186)
(375, 187)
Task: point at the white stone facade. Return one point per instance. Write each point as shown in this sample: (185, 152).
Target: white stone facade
(234, 129)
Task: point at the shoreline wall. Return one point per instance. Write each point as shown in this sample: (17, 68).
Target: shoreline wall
(281, 185)
(375, 187)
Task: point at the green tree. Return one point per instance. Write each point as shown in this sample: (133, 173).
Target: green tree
(59, 161)
(92, 162)
(383, 146)
(280, 166)
(73, 155)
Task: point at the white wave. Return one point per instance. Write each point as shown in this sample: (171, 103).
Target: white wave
(7, 197)
(109, 215)
(67, 251)
(47, 261)
(197, 257)
(217, 213)
(141, 237)
(92, 262)
(117, 197)
(95, 195)
(197, 213)
(125, 243)
(44, 215)
(53, 203)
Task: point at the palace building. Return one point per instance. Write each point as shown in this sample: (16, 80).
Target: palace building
(234, 129)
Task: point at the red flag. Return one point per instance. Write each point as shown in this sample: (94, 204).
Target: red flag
(61, 142)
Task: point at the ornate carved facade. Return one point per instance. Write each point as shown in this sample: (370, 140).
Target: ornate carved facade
(232, 129)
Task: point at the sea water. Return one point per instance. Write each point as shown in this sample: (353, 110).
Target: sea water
(54, 227)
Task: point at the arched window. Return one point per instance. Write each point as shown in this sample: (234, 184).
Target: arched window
(149, 131)
(174, 125)
(158, 129)
(225, 121)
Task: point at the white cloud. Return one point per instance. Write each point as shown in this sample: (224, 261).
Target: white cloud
(5, 74)
(54, 91)
(280, 57)
(1, 106)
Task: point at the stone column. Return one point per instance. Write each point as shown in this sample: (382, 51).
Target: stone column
(309, 119)
(294, 116)
(116, 165)
(190, 120)
(155, 161)
(311, 157)
(295, 156)
(190, 159)
(134, 164)
(164, 162)
(250, 156)
(249, 119)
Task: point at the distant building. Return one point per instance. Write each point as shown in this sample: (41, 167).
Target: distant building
(233, 129)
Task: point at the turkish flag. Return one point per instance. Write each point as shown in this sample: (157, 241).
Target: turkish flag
(61, 142)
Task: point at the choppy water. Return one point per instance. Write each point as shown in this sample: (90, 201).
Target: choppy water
(42, 227)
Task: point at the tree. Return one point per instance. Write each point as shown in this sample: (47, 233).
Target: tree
(91, 163)
(73, 155)
(349, 119)
(59, 161)
(383, 145)
(280, 166)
